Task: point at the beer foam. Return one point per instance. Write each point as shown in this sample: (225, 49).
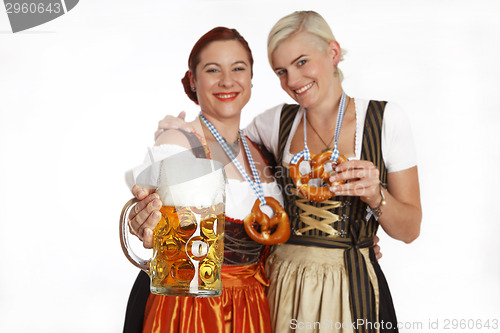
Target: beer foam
(198, 183)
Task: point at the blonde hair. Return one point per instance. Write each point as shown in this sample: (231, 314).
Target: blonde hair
(307, 21)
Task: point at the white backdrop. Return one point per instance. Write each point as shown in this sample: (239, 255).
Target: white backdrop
(80, 98)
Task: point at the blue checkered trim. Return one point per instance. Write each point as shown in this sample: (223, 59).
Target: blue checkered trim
(335, 155)
(338, 126)
(256, 184)
(296, 157)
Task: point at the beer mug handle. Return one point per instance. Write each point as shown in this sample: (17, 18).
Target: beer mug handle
(124, 231)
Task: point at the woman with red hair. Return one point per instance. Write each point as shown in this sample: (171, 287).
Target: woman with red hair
(219, 81)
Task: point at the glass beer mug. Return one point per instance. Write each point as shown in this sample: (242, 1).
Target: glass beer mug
(188, 243)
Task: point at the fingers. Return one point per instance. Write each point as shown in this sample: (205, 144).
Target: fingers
(355, 170)
(362, 188)
(361, 177)
(144, 231)
(147, 218)
(144, 199)
(171, 122)
(139, 192)
(371, 173)
(376, 248)
(378, 254)
(158, 132)
(353, 164)
(147, 240)
(145, 214)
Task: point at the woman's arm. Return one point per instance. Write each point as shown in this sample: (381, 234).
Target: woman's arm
(263, 129)
(402, 213)
(171, 122)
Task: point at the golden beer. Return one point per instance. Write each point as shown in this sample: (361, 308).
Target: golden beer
(188, 242)
(188, 250)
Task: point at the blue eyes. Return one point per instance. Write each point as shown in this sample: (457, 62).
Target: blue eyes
(299, 63)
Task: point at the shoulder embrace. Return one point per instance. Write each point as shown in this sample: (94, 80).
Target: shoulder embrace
(174, 137)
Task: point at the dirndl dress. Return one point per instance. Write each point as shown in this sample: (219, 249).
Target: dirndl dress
(326, 277)
(243, 305)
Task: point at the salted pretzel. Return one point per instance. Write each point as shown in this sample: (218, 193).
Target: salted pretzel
(317, 171)
(266, 235)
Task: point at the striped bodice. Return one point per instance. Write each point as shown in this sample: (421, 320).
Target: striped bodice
(346, 214)
(351, 211)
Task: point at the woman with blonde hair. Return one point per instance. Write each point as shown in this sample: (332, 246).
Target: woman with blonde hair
(326, 272)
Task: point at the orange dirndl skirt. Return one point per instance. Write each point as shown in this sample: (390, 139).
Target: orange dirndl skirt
(242, 307)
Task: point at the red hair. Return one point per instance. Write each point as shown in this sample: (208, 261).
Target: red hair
(216, 34)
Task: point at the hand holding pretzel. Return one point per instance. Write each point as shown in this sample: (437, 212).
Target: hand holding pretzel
(279, 220)
(359, 178)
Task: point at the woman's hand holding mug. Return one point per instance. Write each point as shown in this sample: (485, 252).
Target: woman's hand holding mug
(145, 215)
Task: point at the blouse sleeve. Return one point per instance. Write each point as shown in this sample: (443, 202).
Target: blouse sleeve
(398, 147)
(264, 129)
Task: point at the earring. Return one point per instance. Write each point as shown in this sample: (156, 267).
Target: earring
(193, 89)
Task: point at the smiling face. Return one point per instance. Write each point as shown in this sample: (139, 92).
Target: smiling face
(223, 79)
(306, 67)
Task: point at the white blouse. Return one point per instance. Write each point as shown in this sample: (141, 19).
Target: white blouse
(398, 148)
(240, 196)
